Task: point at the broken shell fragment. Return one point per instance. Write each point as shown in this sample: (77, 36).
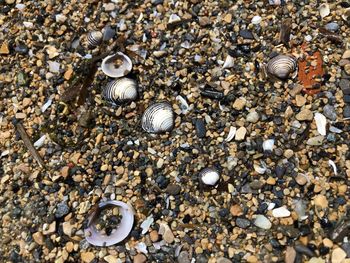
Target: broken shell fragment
(94, 39)
(209, 176)
(116, 65)
(120, 90)
(94, 237)
(324, 10)
(282, 66)
(158, 118)
(321, 123)
(346, 15)
(229, 62)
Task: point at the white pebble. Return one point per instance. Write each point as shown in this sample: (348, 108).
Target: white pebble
(256, 20)
(281, 212)
(262, 222)
(268, 144)
(40, 142)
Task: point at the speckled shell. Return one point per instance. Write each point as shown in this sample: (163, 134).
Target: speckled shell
(94, 39)
(158, 118)
(281, 66)
(209, 176)
(120, 90)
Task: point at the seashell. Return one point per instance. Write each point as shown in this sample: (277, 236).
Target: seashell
(229, 62)
(321, 123)
(231, 134)
(120, 90)
(94, 237)
(268, 144)
(331, 163)
(94, 39)
(158, 118)
(209, 176)
(346, 15)
(324, 10)
(256, 20)
(281, 66)
(183, 104)
(116, 65)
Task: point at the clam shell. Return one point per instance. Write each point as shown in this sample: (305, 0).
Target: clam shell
(281, 66)
(112, 70)
(120, 90)
(324, 10)
(94, 39)
(158, 118)
(209, 176)
(346, 15)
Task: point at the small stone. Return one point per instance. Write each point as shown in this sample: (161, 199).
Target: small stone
(253, 117)
(60, 18)
(62, 209)
(327, 242)
(290, 255)
(154, 236)
(330, 112)
(223, 260)
(242, 222)
(240, 134)
(239, 103)
(184, 257)
(256, 20)
(65, 171)
(168, 235)
(68, 228)
(173, 189)
(236, 210)
(262, 222)
(271, 181)
(10, 2)
(338, 255)
(252, 259)
(49, 229)
(111, 259)
(246, 34)
(54, 66)
(300, 100)
(104, 167)
(149, 171)
(87, 257)
(316, 260)
(315, 141)
(26, 102)
(281, 212)
(332, 26)
(321, 201)
(174, 19)
(4, 49)
(288, 153)
(109, 7)
(140, 258)
(228, 18)
(68, 74)
(38, 238)
(301, 179)
(204, 21)
(20, 115)
(344, 84)
(346, 54)
(305, 115)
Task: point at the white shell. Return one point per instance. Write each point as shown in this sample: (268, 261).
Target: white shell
(268, 144)
(109, 68)
(259, 169)
(183, 104)
(209, 176)
(94, 38)
(158, 118)
(256, 20)
(120, 90)
(231, 134)
(229, 62)
(324, 10)
(94, 237)
(346, 14)
(321, 123)
(281, 66)
(331, 163)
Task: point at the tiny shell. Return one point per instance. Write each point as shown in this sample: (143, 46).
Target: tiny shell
(120, 90)
(324, 10)
(116, 71)
(209, 176)
(158, 118)
(94, 39)
(94, 237)
(259, 169)
(229, 62)
(231, 134)
(256, 20)
(268, 144)
(331, 163)
(183, 104)
(282, 66)
(321, 123)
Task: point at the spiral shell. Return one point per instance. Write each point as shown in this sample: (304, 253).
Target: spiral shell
(116, 65)
(94, 39)
(120, 90)
(209, 176)
(282, 66)
(158, 118)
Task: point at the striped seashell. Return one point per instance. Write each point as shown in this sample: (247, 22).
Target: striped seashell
(116, 65)
(158, 118)
(94, 39)
(120, 90)
(282, 66)
(209, 176)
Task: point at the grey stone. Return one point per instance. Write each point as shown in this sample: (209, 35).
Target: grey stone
(246, 34)
(329, 112)
(344, 84)
(346, 111)
(223, 260)
(332, 26)
(184, 257)
(173, 189)
(62, 209)
(108, 33)
(242, 222)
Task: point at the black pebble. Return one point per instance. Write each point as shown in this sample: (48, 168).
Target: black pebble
(200, 128)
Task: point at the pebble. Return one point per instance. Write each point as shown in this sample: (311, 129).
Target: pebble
(321, 201)
(242, 222)
(154, 236)
(344, 84)
(256, 20)
(38, 238)
(281, 212)
(223, 260)
(200, 128)
(316, 260)
(346, 111)
(301, 179)
(10, 2)
(300, 100)
(4, 49)
(62, 209)
(239, 103)
(173, 189)
(65, 171)
(184, 257)
(253, 117)
(290, 255)
(236, 210)
(140, 258)
(174, 18)
(304, 115)
(315, 141)
(168, 236)
(54, 66)
(246, 34)
(262, 222)
(111, 259)
(87, 257)
(330, 112)
(332, 26)
(338, 255)
(346, 54)
(240, 134)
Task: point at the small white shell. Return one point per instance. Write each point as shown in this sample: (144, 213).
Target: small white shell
(321, 123)
(94, 39)
(158, 118)
(116, 71)
(120, 90)
(281, 66)
(231, 134)
(324, 10)
(183, 104)
(256, 20)
(229, 62)
(268, 144)
(209, 176)
(331, 163)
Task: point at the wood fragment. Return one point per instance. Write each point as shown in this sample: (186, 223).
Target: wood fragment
(286, 28)
(330, 35)
(24, 135)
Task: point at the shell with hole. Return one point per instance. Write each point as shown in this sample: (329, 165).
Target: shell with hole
(158, 118)
(282, 66)
(120, 91)
(117, 65)
(94, 39)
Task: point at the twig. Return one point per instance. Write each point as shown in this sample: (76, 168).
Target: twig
(22, 132)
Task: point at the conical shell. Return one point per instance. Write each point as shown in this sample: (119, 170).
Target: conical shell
(110, 67)
(209, 176)
(158, 118)
(282, 66)
(120, 90)
(94, 39)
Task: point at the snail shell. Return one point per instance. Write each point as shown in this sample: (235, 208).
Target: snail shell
(94, 39)
(120, 90)
(209, 176)
(281, 66)
(111, 68)
(158, 118)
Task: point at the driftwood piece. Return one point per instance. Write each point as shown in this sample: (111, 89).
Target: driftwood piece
(286, 27)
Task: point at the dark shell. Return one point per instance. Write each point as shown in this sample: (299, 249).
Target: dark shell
(158, 118)
(120, 90)
(94, 39)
